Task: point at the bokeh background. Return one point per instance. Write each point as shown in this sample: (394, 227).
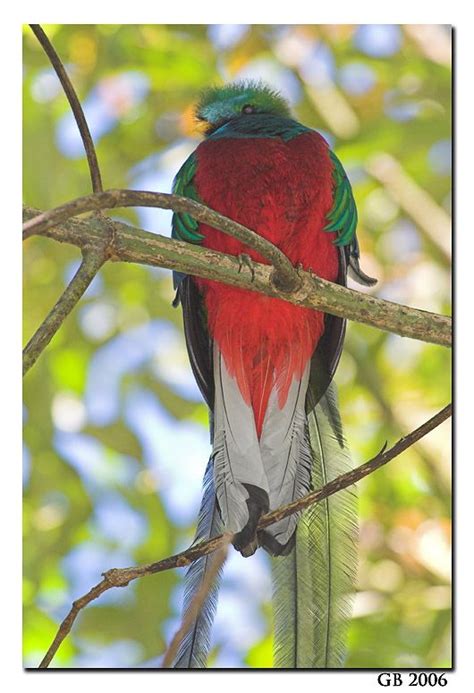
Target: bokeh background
(116, 436)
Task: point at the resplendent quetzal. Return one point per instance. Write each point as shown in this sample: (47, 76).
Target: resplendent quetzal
(264, 367)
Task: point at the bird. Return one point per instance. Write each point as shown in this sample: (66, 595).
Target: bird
(265, 368)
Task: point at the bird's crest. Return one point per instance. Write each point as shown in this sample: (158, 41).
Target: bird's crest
(219, 105)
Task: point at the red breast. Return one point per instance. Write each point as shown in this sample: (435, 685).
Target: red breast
(283, 191)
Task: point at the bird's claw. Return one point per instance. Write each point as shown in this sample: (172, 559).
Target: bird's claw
(246, 260)
(249, 548)
(246, 541)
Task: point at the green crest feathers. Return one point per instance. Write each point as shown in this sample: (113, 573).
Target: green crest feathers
(222, 102)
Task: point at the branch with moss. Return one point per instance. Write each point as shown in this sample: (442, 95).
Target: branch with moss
(284, 274)
(121, 577)
(130, 244)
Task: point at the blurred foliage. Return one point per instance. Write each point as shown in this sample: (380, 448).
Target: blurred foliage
(115, 432)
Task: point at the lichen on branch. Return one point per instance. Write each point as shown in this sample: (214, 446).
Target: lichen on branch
(135, 245)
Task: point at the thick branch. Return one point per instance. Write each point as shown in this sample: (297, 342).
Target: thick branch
(90, 265)
(134, 245)
(285, 275)
(74, 103)
(120, 577)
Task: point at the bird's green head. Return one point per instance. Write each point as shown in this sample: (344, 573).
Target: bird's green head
(219, 105)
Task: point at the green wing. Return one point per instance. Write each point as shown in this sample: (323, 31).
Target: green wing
(184, 227)
(343, 215)
(342, 219)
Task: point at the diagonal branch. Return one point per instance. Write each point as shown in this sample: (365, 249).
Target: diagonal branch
(121, 577)
(91, 263)
(135, 245)
(75, 105)
(93, 258)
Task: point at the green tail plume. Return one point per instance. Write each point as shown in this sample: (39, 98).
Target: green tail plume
(314, 584)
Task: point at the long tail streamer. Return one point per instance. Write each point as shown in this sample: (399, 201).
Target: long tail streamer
(314, 584)
(194, 648)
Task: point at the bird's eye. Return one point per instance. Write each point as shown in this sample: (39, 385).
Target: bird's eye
(248, 109)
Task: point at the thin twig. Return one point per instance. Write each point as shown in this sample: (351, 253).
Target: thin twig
(192, 613)
(92, 259)
(358, 473)
(75, 106)
(90, 265)
(135, 245)
(396, 419)
(120, 577)
(285, 275)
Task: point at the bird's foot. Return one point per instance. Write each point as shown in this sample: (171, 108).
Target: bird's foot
(246, 541)
(246, 260)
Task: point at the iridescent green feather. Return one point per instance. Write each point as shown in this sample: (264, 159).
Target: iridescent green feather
(314, 584)
(342, 217)
(184, 227)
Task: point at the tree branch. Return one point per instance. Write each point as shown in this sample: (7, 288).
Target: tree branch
(93, 258)
(75, 105)
(121, 577)
(285, 276)
(90, 265)
(135, 245)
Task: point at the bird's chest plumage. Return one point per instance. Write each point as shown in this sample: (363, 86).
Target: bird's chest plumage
(283, 191)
